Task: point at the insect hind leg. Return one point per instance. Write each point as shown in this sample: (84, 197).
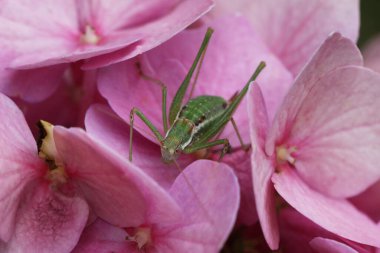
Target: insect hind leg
(243, 146)
(164, 93)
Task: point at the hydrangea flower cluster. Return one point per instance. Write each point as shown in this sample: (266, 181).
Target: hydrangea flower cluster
(306, 180)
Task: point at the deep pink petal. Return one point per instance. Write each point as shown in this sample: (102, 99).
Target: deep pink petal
(335, 215)
(19, 163)
(297, 231)
(105, 126)
(262, 167)
(294, 29)
(240, 161)
(48, 221)
(324, 245)
(32, 85)
(368, 201)
(209, 216)
(118, 191)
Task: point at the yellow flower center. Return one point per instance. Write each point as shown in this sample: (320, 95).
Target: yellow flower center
(142, 237)
(89, 37)
(284, 155)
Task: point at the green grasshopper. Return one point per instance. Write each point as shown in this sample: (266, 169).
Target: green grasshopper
(195, 124)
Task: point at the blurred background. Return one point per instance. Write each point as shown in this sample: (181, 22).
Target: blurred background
(370, 20)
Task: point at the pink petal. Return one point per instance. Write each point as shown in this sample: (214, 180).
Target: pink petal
(262, 167)
(371, 54)
(337, 131)
(105, 126)
(294, 29)
(210, 215)
(102, 237)
(334, 53)
(368, 201)
(324, 245)
(240, 162)
(19, 163)
(32, 85)
(335, 215)
(48, 222)
(52, 33)
(158, 31)
(297, 231)
(118, 191)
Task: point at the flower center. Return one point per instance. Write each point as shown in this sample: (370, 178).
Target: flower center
(142, 237)
(283, 155)
(89, 37)
(47, 151)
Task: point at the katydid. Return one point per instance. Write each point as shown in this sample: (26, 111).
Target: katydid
(193, 126)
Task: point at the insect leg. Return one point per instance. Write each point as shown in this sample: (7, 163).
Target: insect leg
(243, 146)
(197, 73)
(178, 98)
(147, 122)
(196, 147)
(164, 94)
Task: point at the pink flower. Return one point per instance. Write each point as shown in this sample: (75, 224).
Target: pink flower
(60, 32)
(294, 29)
(207, 218)
(322, 145)
(67, 31)
(46, 204)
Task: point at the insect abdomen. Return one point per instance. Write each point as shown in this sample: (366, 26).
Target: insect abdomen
(202, 108)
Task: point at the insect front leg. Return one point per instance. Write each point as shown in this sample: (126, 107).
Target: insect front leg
(164, 94)
(147, 122)
(195, 147)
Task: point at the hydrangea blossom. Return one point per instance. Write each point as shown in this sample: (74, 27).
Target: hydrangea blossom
(324, 132)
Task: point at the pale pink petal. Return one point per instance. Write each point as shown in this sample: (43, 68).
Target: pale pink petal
(337, 132)
(334, 53)
(105, 126)
(209, 216)
(19, 163)
(262, 167)
(294, 29)
(113, 15)
(335, 215)
(48, 221)
(57, 31)
(31, 85)
(324, 245)
(371, 54)
(118, 191)
(156, 32)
